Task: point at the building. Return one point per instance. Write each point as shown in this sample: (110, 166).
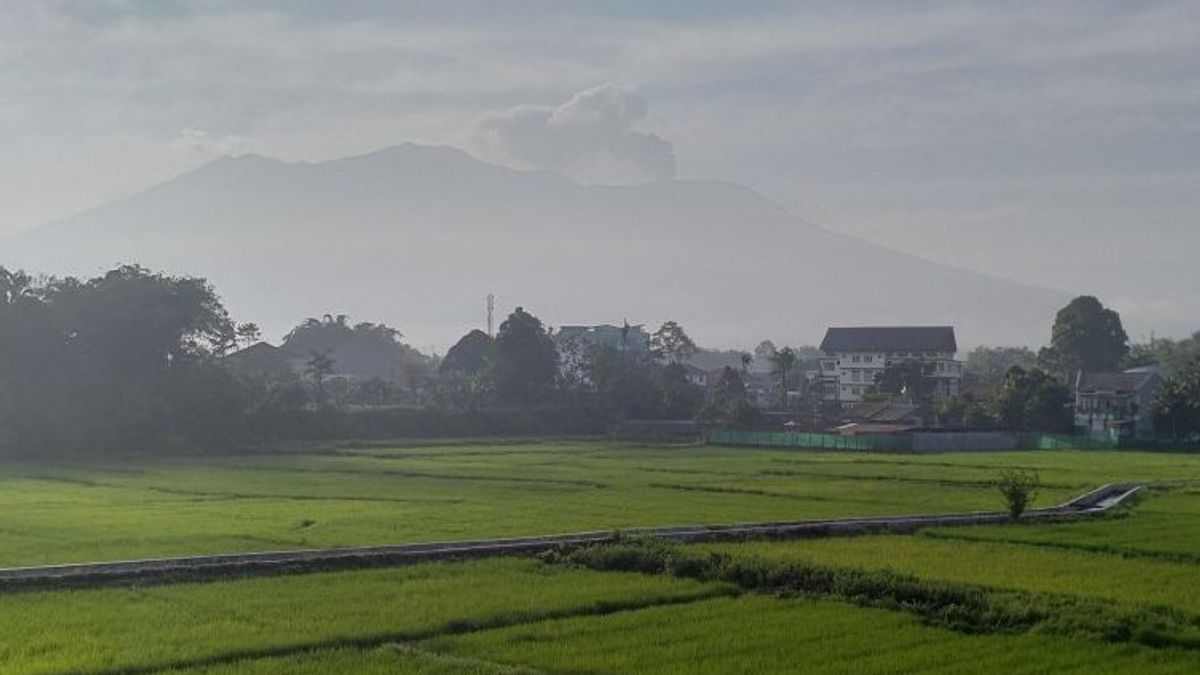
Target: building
(622, 338)
(1120, 404)
(852, 358)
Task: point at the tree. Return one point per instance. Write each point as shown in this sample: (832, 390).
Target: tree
(782, 364)
(671, 344)
(677, 396)
(728, 401)
(764, 350)
(1086, 336)
(363, 350)
(1031, 400)
(248, 333)
(468, 356)
(913, 379)
(523, 364)
(747, 360)
(109, 361)
(1018, 488)
(1177, 407)
(989, 365)
(319, 367)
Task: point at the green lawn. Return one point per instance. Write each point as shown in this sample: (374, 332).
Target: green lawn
(103, 511)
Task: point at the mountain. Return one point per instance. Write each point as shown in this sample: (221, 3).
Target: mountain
(417, 236)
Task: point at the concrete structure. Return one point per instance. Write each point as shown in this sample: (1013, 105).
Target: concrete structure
(622, 338)
(1120, 404)
(852, 358)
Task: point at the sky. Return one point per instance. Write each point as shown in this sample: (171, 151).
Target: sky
(1055, 143)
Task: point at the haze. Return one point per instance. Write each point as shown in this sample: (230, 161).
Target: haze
(1042, 144)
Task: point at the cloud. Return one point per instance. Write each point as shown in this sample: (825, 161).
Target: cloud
(591, 137)
(202, 142)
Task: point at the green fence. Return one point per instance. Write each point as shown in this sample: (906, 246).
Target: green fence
(906, 442)
(791, 439)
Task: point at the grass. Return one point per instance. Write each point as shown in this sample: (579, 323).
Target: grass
(333, 497)
(217, 624)
(756, 634)
(1040, 598)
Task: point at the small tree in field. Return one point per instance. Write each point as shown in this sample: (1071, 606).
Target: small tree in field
(1018, 488)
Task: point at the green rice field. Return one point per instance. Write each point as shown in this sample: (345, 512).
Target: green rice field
(1139, 567)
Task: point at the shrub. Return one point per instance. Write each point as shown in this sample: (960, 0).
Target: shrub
(1018, 488)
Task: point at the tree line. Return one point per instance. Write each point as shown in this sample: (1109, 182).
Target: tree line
(134, 359)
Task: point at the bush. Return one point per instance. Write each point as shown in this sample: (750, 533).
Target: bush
(1018, 488)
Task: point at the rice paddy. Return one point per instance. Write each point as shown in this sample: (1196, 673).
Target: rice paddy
(523, 615)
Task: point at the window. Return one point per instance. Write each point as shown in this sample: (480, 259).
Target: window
(856, 359)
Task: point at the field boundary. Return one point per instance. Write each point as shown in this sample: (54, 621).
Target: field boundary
(196, 568)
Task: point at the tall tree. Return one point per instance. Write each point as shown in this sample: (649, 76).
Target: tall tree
(671, 344)
(319, 368)
(782, 364)
(728, 401)
(468, 356)
(1086, 336)
(524, 360)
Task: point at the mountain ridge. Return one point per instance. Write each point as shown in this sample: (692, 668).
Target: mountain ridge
(387, 231)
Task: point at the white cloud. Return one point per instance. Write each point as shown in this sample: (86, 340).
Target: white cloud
(203, 142)
(591, 137)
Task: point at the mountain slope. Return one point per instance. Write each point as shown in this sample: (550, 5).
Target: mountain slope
(416, 236)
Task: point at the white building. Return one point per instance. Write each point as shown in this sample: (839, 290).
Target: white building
(852, 358)
(1117, 403)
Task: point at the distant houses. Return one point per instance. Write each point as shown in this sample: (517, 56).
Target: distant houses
(853, 358)
(1117, 404)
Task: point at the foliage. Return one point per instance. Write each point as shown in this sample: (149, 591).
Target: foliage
(728, 402)
(1033, 401)
(670, 343)
(1169, 355)
(1018, 488)
(1177, 406)
(100, 362)
(1086, 336)
(363, 350)
(468, 356)
(989, 365)
(911, 379)
(783, 362)
(319, 367)
(523, 365)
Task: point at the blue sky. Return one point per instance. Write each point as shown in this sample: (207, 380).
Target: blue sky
(1053, 142)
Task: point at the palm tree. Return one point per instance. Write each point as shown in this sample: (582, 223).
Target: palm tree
(782, 363)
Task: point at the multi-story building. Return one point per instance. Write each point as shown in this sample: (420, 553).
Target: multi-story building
(853, 358)
(1120, 404)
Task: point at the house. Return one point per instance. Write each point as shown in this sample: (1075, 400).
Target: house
(881, 417)
(1119, 404)
(852, 358)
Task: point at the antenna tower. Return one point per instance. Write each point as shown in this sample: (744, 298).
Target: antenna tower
(491, 309)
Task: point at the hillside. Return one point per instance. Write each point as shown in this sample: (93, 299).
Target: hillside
(416, 236)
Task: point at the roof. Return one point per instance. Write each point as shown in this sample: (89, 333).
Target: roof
(883, 412)
(890, 339)
(1115, 383)
(856, 428)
